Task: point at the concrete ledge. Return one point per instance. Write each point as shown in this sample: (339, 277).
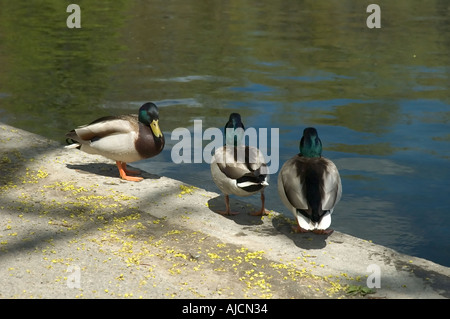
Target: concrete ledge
(70, 228)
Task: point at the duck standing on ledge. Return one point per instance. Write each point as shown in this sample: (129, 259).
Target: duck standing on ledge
(124, 138)
(310, 186)
(239, 169)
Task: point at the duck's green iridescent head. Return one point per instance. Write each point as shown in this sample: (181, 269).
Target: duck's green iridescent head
(234, 130)
(310, 144)
(149, 116)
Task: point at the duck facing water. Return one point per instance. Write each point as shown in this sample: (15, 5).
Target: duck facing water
(309, 185)
(239, 169)
(124, 138)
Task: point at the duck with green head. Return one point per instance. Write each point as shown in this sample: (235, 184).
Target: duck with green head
(239, 169)
(310, 186)
(124, 138)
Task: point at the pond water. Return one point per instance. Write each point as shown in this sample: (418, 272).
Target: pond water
(378, 97)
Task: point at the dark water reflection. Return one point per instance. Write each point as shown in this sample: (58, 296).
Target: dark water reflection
(379, 98)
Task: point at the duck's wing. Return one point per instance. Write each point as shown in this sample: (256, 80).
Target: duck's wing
(105, 126)
(290, 183)
(236, 162)
(332, 186)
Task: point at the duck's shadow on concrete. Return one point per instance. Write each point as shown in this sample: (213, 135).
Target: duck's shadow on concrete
(307, 240)
(217, 205)
(106, 169)
(280, 223)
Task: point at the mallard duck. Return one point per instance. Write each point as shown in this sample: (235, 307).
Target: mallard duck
(239, 169)
(310, 186)
(124, 138)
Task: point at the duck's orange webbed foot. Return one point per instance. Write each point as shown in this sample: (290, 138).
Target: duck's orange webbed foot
(261, 212)
(298, 229)
(123, 171)
(323, 231)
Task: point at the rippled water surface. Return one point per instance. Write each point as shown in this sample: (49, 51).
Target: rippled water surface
(378, 97)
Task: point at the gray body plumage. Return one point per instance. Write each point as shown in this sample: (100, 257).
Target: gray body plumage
(239, 170)
(120, 138)
(310, 188)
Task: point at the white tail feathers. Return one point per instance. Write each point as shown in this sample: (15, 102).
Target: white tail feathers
(74, 145)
